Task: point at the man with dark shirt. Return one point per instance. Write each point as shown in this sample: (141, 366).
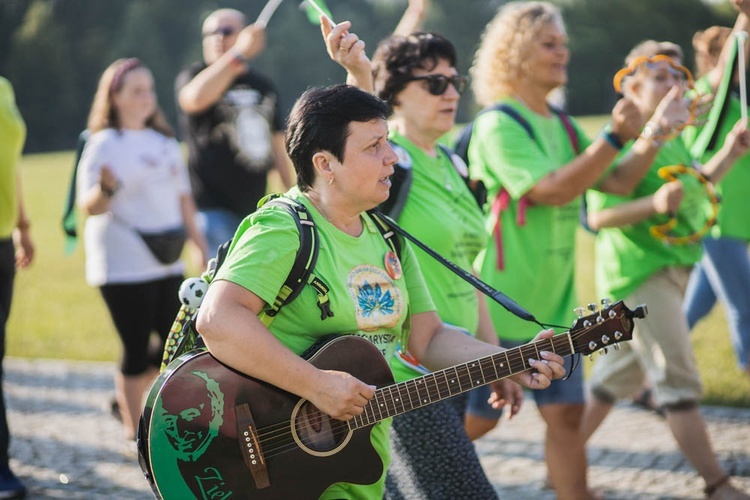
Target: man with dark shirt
(230, 120)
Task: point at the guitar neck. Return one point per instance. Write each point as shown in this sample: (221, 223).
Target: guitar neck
(422, 391)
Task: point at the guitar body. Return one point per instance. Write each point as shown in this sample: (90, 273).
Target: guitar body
(188, 437)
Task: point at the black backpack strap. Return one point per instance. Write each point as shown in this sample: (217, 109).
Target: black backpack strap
(400, 184)
(461, 144)
(476, 187)
(307, 253)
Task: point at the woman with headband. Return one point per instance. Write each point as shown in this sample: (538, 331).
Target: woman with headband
(133, 185)
(638, 260)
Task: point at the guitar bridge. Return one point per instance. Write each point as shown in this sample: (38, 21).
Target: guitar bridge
(247, 438)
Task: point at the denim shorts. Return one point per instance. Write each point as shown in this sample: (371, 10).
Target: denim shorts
(561, 391)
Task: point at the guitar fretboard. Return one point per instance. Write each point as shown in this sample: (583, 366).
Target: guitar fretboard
(422, 391)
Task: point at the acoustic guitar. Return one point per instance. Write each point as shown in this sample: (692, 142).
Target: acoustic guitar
(211, 432)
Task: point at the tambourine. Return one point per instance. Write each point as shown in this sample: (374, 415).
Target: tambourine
(635, 65)
(663, 231)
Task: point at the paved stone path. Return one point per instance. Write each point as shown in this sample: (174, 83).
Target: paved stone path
(66, 445)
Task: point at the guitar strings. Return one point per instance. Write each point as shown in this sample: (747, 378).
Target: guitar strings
(277, 438)
(269, 437)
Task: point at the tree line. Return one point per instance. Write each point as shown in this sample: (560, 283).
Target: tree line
(53, 51)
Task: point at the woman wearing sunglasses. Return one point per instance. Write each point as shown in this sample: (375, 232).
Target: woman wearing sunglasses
(536, 163)
(417, 76)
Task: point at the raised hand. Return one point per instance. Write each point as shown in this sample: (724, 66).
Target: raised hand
(251, 41)
(346, 49)
(627, 120)
(673, 112)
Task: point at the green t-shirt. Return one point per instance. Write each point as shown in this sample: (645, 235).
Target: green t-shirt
(13, 133)
(538, 242)
(441, 212)
(734, 210)
(365, 300)
(627, 256)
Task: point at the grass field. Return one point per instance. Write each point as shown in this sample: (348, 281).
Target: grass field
(56, 315)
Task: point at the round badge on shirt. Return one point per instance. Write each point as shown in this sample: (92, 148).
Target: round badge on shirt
(392, 265)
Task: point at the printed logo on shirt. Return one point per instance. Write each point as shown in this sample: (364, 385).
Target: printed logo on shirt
(378, 301)
(247, 127)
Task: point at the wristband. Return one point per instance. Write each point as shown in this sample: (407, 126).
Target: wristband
(23, 225)
(613, 139)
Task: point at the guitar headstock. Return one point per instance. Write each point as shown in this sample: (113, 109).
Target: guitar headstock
(604, 327)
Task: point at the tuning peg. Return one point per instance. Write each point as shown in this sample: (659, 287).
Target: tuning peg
(606, 302)
(641, 311)
(591, 357)
(593, 307)
(592, 346)
(617, 347)
(605, 340)
(618, 335)
(579, 311)
(603, 351)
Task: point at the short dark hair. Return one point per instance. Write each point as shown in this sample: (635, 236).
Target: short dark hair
(396, 57)
(319, 121)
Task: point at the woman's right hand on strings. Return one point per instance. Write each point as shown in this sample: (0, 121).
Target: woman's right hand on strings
(341, 395)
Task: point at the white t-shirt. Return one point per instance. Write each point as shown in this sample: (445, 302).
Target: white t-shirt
(152, 177)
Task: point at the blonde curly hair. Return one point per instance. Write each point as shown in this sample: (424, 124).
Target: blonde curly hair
(506, 41)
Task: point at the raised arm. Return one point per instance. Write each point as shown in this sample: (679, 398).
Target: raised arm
(741, 24)
(413, 17)
(208, 86)
(570, 181)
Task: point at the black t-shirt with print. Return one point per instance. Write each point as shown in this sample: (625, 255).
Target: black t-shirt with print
(230, 147)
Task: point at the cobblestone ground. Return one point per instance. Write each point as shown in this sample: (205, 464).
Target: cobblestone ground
(66, 445)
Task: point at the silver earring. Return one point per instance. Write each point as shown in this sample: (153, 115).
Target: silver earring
(330, 180)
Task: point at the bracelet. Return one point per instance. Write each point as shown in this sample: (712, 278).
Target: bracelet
(613, 139)
(653, 133)
(23, 225)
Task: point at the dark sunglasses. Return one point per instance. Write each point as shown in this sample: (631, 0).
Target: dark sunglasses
(438, 84)
(224, 31)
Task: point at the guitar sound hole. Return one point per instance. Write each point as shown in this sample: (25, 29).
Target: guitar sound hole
(318, 432)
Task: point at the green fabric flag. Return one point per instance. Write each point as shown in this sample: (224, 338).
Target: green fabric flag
(314, 14)
(712, 123)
